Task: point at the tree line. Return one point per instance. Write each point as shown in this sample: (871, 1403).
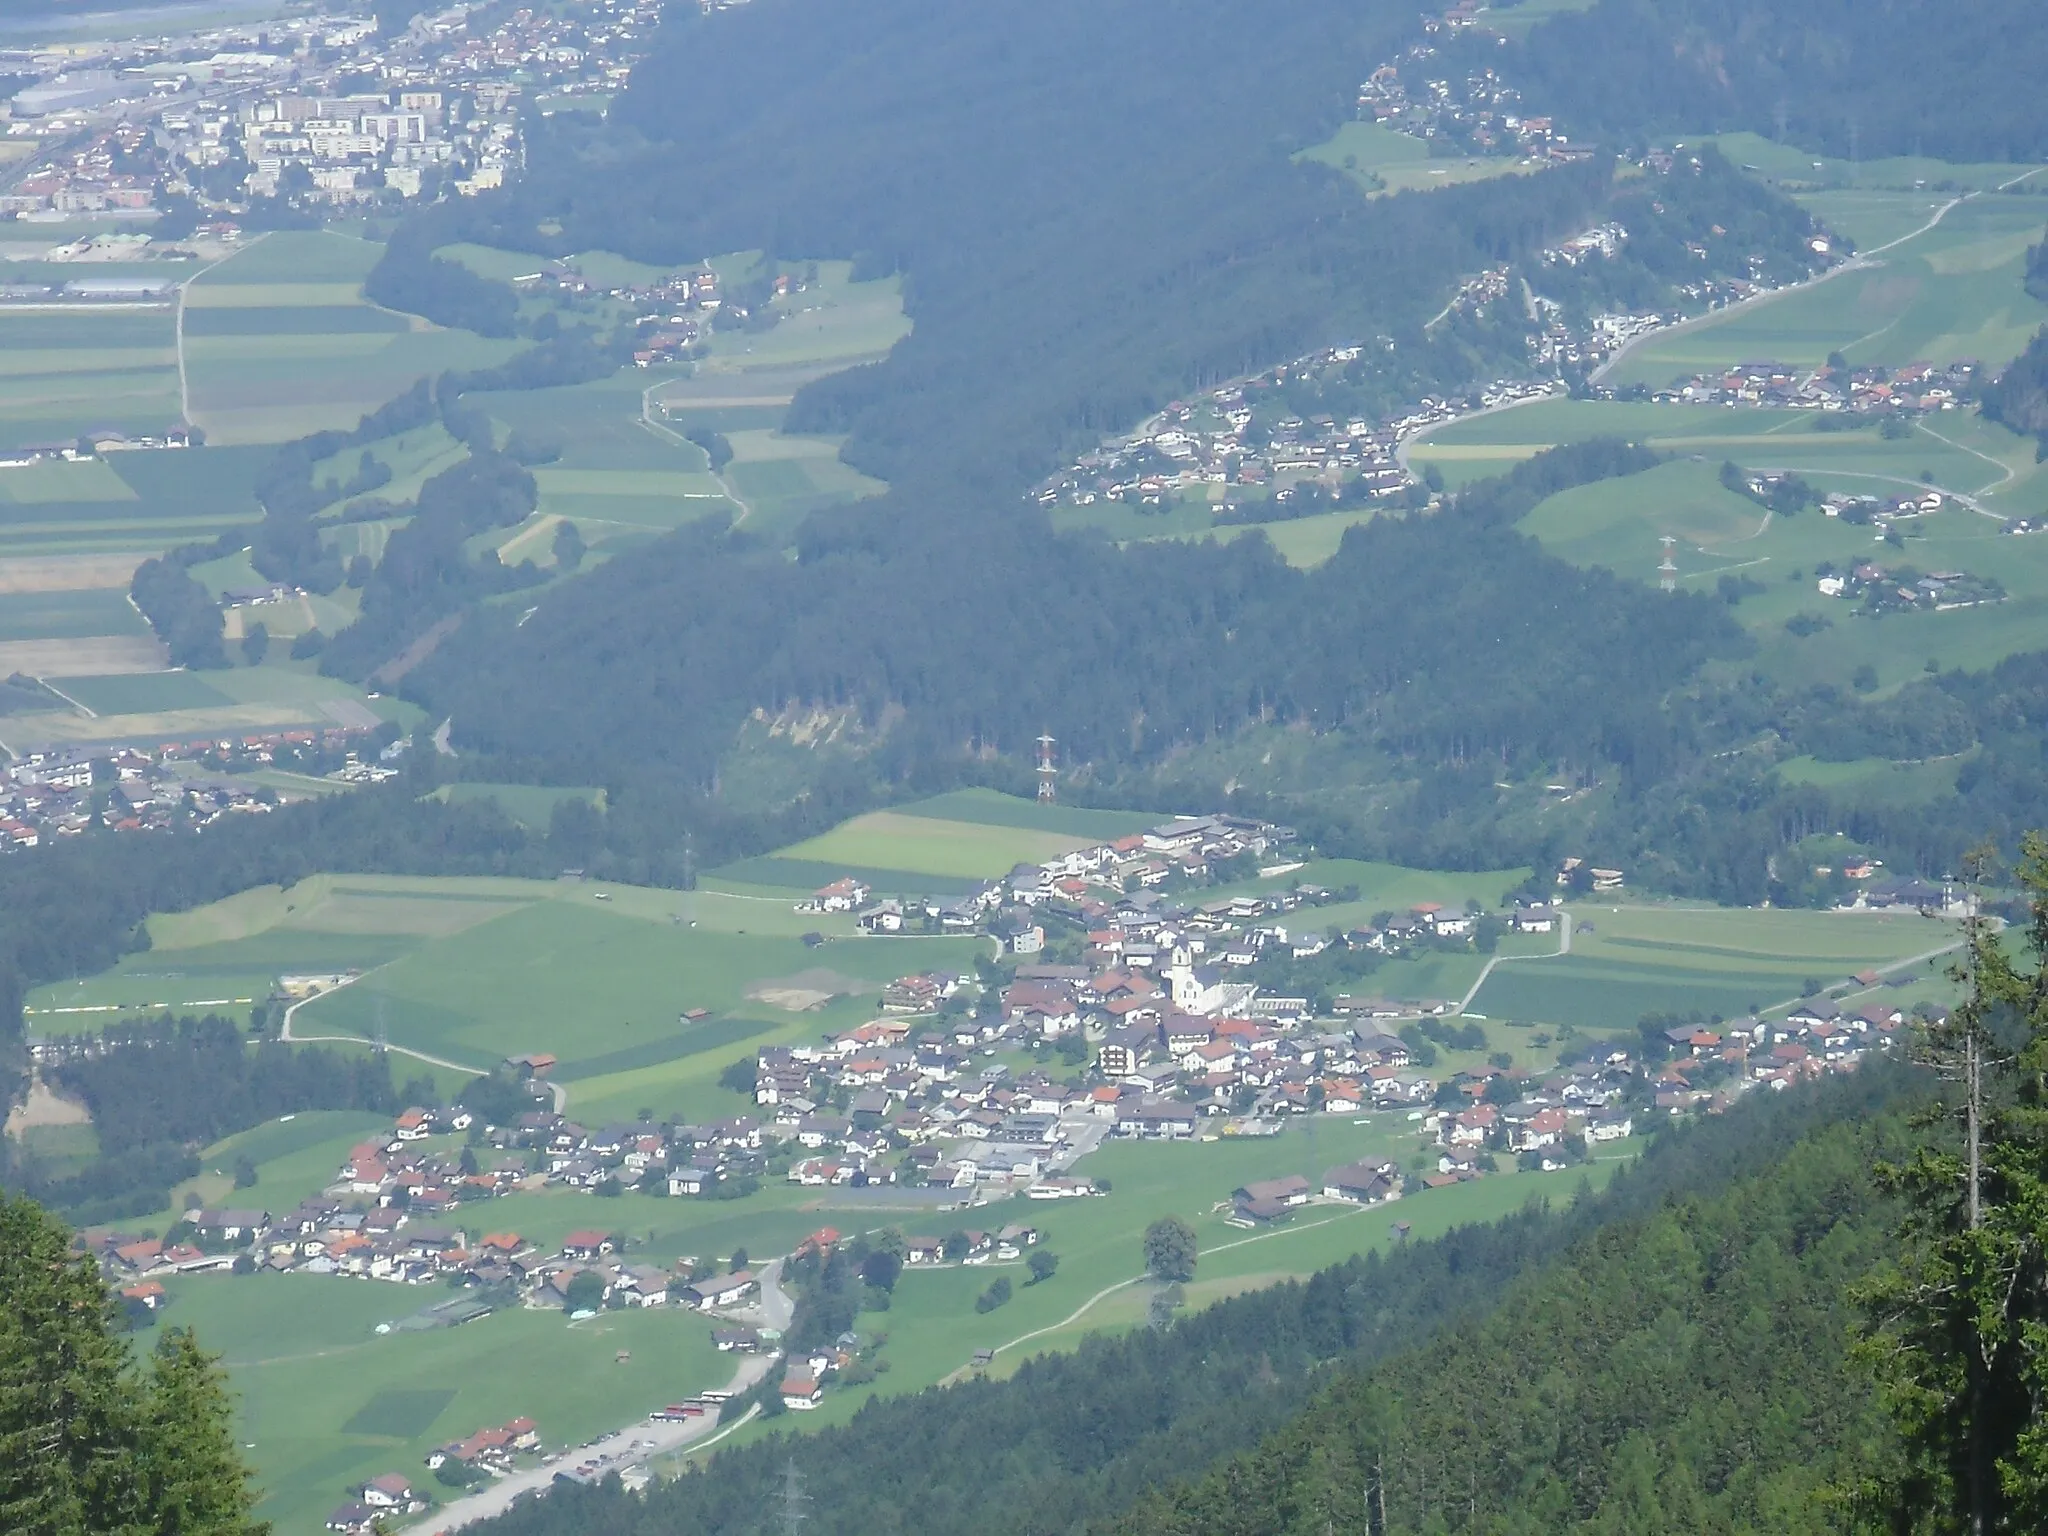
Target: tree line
(171, 1087)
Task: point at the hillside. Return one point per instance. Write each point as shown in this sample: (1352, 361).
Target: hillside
(1684, 1372)
(1071, 1441)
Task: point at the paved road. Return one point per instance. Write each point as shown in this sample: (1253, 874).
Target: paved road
(628, 1447)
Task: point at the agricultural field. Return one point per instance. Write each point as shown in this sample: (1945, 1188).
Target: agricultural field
(1952, 291)
(68, 371)
(1626, 961)
(279, 341)
(945, 846)
(1797, 170)
(325, 1401)
(159, 706)
(1383, 162)
(1618, 523)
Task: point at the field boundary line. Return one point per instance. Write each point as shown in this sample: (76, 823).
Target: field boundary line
(662, 429)
(89, 714)
(178, 328)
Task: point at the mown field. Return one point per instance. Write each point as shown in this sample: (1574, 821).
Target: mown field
(939, 847)
(100, 368)
(1384, 162)
(1950, 292)
(279, 340)
(1631, 960)
(325, 1402)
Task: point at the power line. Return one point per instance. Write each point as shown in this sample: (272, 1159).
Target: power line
(793, 1500)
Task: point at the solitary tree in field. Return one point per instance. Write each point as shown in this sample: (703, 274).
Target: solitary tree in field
(1170, 1250)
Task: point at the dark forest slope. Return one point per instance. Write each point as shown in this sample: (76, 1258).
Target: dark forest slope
(1094, 205)
(1959, 81)
(1686, 1372)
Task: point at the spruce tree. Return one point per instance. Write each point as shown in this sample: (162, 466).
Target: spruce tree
(1957, 1330)
(91, 1442)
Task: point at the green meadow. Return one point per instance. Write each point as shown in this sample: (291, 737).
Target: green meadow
(279, 340)
(325, 1402)
(1382, 161)
(1627, 961)
(1950, 292)
(64, 373)
(1618, 524)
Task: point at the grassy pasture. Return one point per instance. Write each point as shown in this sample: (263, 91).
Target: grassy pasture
(1617, 523)
(988, 807)
(924, 845)
(144, 693)
(530, 805)
(1950, 292)
(1383, 162)
(68, 615)
(1647, 959)
(1877, 780)
(327, 1402)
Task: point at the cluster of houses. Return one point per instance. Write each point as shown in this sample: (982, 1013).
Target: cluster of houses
(1243, 446)
(356, 1230)
(1816, 1037)
(1477, 112)
(491, 1451)
(63, 791)
(92, 177)
(228, 114)
(1880, 591)
(1875, 390)
(1187, 849)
